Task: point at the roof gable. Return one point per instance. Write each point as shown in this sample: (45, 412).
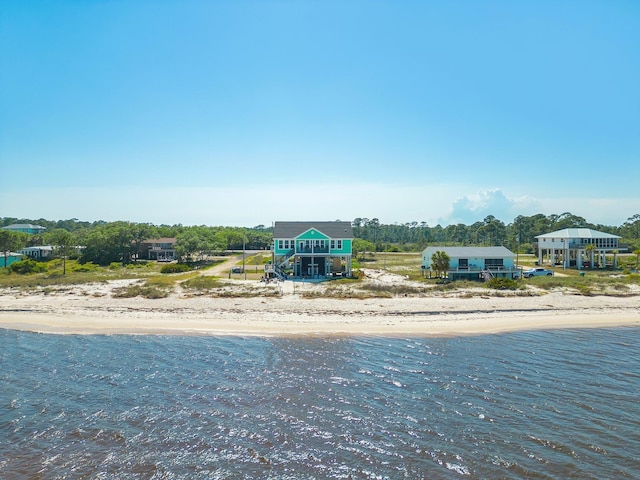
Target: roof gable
(312, 234)
(328, 229)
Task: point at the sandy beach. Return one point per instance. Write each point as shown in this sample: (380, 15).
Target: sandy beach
(91, 309)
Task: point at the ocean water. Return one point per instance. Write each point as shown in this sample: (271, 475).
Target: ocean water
(548, 404)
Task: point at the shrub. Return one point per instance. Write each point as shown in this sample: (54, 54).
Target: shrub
(502, 284)
(202, 283)
(145, 291)
(27, 266)
(85, 268)
(175, 268)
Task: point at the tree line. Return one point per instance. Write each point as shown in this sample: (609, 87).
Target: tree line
(518, 235)
(104, 243)
(107, 242)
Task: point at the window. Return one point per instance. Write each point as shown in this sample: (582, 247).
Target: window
(333, 244)
(493, 263)
(280, 244)
(339, 244)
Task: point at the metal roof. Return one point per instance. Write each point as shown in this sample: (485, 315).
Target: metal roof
(577, 233)
(463, 252)
(161, 240)
(23, 226)
(330, 229)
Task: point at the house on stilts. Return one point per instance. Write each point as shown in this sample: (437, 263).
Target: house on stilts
(311, 250)
(576, 247)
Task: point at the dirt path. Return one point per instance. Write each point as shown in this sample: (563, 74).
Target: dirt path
(223, 267)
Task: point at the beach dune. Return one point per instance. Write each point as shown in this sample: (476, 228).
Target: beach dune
(91, 309)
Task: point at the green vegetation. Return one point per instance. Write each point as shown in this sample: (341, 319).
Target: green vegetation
(111, 250)
(107, 242)
(32, 273)
(590, 284)
(504, 284)
(176, 268)
(26, 267)
(146, 291)
(440, 263)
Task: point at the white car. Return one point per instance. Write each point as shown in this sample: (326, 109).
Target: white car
(537, 272)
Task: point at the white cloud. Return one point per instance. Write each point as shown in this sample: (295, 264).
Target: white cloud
(472, 208)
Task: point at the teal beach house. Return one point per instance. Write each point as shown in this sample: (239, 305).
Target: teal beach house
(25, 228)
(314, 250)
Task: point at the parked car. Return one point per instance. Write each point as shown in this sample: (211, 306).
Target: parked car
(536, 272)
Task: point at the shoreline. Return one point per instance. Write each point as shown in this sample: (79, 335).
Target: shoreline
(292, 316)
(286, 309)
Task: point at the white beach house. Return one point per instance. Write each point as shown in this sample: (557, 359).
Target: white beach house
(570, 247)
(474, 263)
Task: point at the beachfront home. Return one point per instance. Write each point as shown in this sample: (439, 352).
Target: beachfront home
(570, 247)
(160, 249)
(8, 258)
(474, 263)
(40, 252)
(311, 249)
(25, 228)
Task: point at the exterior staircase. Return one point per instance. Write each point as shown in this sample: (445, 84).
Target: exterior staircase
(486, 275)
(284, 259)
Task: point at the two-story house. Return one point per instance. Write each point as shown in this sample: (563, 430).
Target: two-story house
(160, 249)
(311, 249)
(570, 247)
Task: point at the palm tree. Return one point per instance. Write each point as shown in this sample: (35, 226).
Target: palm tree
(636, 252)
(440, 263)
(590, 249)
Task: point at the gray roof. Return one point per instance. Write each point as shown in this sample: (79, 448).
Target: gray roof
(463, 252)
(330, 229)
(577, 233)
(23, 226)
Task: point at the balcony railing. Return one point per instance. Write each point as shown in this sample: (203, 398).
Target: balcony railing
(473, 268)
(311, 250)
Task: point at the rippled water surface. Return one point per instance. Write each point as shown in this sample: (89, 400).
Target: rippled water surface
(559, 404)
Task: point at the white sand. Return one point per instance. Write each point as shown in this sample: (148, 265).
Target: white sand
(90, 309)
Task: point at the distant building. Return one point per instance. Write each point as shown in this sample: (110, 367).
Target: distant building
(474, 263)
(25, 228)
(312, 249)
(160, 249)
(567, 247)
(41, 252)
(9, 258)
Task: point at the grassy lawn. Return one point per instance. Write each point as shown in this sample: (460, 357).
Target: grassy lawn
(407, 264)
(76, 274)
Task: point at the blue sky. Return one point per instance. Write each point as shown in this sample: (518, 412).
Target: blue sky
(248, 112)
